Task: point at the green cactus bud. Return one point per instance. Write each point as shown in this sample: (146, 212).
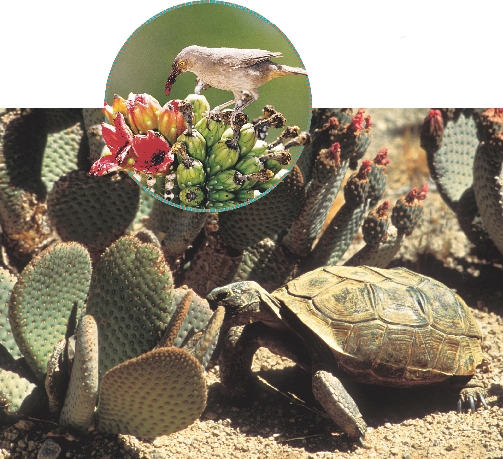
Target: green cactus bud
(278, 177)
(199, 104)
(357, 186)
(246, 139)
(221, 158)
(220, 195)
(249, 164)
(225, 180)
(222, 204)
(246, 195)
(192, 196)
(191, 175)
(211, 130)
(195, 143)
(258, 149)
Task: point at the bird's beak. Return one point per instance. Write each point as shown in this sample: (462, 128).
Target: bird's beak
(171, 79)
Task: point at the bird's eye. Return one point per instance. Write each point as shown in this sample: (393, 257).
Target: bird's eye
(181, 64)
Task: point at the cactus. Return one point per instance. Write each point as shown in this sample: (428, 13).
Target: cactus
(91, 253)
(464, 151)
(181, 163)
(122, 308)
(280, 236)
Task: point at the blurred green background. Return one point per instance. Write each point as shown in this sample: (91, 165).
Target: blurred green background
(144, 62)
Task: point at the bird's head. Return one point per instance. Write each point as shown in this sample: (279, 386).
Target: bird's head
(181, 64)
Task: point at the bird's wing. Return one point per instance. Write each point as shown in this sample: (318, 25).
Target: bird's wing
(236, 58)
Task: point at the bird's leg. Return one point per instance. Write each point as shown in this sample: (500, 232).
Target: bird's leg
(247, 97)
(200, 86)
(238, 120)
(185, 109)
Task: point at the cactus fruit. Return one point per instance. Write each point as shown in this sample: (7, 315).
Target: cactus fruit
(183, 163)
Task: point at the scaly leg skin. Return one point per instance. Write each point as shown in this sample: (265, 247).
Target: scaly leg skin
(239, 344)
(338, 404)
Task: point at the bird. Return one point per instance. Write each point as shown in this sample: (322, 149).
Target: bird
(241, 71)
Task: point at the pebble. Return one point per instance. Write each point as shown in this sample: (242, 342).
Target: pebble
(49, 450)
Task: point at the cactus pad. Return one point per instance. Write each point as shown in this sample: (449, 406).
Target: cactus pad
(248, 225)
(451, 165)
(61, 154)
(49, 294)
(82, 393)
(157, 393)
(7, 342)
(131, 299)
(92, 210)
(196, 319)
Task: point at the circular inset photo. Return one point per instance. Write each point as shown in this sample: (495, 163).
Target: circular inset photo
(208, 107)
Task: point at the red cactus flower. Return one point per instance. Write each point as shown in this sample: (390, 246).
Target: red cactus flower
(119, 141)
(436, 122)
(153, 152)
(358, 123)
(335, 151)
(422, 193)
(142, 112)
(171, 122)
(365, 168)
(382, 210)
(381, 158)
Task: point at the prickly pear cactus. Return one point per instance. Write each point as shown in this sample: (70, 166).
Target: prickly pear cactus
(218, 163)
(46, 300)
(464, 155)
(130, 304)
(140, 252)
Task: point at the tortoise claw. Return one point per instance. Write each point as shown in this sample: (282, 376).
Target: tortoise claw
(483, 401)
(472, 403)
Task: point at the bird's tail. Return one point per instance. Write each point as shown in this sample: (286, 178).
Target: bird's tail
(287, 70)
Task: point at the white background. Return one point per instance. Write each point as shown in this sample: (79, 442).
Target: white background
(378, 53)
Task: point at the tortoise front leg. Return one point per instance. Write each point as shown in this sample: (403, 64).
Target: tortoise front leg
(338, 404)
(239, 344)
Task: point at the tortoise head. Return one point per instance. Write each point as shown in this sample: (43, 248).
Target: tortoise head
(244, 301)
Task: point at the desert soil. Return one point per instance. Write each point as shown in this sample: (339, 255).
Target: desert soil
(282, 419)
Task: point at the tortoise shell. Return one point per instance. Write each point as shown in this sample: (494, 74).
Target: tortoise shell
(385, 326)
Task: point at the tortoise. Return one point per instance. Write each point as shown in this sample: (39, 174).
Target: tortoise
(389, 327)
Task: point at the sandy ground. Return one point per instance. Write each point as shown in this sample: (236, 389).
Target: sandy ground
(282, 419)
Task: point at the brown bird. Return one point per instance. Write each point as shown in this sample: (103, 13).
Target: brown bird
(241, 71)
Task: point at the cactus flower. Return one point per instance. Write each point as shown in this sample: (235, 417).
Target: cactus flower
(119, 140)
(171, 122)
(154, 154)
(142, 112)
